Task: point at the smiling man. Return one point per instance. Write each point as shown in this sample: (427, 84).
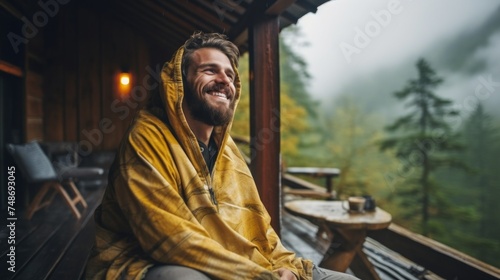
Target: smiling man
(181, 202)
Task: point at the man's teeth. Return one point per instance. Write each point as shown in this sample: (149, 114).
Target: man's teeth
(219, 94)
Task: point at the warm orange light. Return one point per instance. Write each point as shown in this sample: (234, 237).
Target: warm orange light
(124, 82)
(124, 79)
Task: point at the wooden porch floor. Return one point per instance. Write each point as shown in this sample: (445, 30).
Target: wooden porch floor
(53, 245)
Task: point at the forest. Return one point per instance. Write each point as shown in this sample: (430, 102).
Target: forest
(430, 163)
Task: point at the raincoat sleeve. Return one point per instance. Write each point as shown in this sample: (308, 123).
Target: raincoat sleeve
(147, 192)
(283, 258)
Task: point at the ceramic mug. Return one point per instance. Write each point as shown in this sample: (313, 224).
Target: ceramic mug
(356, 204)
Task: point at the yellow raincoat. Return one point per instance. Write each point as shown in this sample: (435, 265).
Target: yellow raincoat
(157, 208)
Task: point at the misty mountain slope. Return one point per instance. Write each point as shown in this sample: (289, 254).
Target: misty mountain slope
(457, 54)
(463, 61)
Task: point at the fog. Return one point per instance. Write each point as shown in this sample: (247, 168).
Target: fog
(368, 49)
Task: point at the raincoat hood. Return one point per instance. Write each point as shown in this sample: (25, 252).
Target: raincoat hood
(172, 96)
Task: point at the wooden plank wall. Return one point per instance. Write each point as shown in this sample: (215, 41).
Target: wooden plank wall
(34, 106)
(34, 79)
(86, 48)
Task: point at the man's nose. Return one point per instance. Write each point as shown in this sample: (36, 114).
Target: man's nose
(222, 78)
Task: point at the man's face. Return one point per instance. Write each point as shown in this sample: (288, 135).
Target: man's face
(209, 87)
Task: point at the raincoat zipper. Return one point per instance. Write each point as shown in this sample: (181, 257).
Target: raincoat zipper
(208, 178)
(210, 186)
(212, 195)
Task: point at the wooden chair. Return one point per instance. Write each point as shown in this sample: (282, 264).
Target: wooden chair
(38, 170)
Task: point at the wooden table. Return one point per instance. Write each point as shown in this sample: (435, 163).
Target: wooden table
(349, 231)
(328, 173)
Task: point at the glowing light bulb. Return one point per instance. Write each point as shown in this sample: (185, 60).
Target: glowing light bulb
(124, 79)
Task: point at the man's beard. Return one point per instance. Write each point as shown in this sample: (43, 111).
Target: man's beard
(202, 111)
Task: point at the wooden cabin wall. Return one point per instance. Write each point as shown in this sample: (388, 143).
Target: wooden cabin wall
(85, 49)
(34, 80)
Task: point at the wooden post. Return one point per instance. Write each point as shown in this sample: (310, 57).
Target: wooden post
(265, 113)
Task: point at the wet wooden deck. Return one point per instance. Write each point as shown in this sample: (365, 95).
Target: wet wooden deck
(53, 244)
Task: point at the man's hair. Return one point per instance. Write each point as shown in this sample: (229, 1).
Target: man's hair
(209, 40)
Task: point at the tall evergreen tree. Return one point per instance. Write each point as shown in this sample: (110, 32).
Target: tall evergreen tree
(478, 189)
(422, 139)
(481, 139)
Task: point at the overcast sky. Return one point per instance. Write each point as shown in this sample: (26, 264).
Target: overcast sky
(351, 40)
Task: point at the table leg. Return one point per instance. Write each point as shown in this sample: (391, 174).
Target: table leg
(346, 250)
(329, 184)
(343, 248)
(362, 267)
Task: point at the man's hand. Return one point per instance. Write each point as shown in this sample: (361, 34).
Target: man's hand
(286, 274)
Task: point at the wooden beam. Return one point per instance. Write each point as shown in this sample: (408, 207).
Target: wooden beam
(11, 9)
(279, 6)
(265, 112)
(253, 11)
(224, 12)
(11, 69)
(306, 5)
(190, 11)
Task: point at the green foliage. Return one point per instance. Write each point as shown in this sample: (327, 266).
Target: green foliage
(293, 70)
(241, 122)
(477, 191)
(422, 140)
(294, 118)
(293, 123)
(351, 146)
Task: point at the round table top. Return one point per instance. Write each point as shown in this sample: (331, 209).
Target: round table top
(335, 215)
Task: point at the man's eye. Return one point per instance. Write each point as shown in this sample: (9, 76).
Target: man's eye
(210, 71)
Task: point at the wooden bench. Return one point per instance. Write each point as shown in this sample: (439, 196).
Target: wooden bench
(322, 172)
(299, 187)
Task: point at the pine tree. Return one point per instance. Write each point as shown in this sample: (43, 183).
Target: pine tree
(482, 154)
(422, 140)
(480, 189)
